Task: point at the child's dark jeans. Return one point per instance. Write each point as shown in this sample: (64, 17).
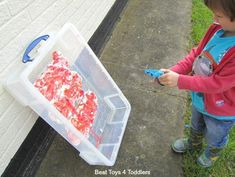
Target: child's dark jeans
(215, 131)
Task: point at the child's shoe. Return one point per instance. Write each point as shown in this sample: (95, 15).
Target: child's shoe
(180, 145)
(208, 157)
(205, 161)
(194, 142)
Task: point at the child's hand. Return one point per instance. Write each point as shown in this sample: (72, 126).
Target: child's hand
(169, 78)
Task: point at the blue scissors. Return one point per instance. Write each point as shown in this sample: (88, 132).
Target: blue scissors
(153, 72)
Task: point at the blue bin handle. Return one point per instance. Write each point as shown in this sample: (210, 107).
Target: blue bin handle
(26, 57)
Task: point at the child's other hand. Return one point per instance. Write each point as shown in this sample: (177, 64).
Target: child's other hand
(169, 78)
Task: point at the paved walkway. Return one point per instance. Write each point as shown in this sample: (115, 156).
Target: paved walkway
(150, 34)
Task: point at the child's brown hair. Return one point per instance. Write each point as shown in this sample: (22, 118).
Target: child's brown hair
(226, 6)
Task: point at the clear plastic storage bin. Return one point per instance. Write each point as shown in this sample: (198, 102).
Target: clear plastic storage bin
(103, 143)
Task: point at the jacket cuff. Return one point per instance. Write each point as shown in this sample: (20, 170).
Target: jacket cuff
(183, 82)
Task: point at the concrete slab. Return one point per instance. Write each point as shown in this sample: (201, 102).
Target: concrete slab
(153, 34)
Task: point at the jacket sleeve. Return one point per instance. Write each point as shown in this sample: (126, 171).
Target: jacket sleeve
(216, 83)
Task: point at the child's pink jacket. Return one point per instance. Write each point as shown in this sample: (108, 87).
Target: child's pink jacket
(219, 86)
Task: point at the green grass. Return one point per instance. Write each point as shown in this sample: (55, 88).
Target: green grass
(225, 165)
(201, 19)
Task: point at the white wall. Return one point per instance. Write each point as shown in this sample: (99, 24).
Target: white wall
(20, 23)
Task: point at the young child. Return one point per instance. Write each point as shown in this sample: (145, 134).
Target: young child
(208, 71)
